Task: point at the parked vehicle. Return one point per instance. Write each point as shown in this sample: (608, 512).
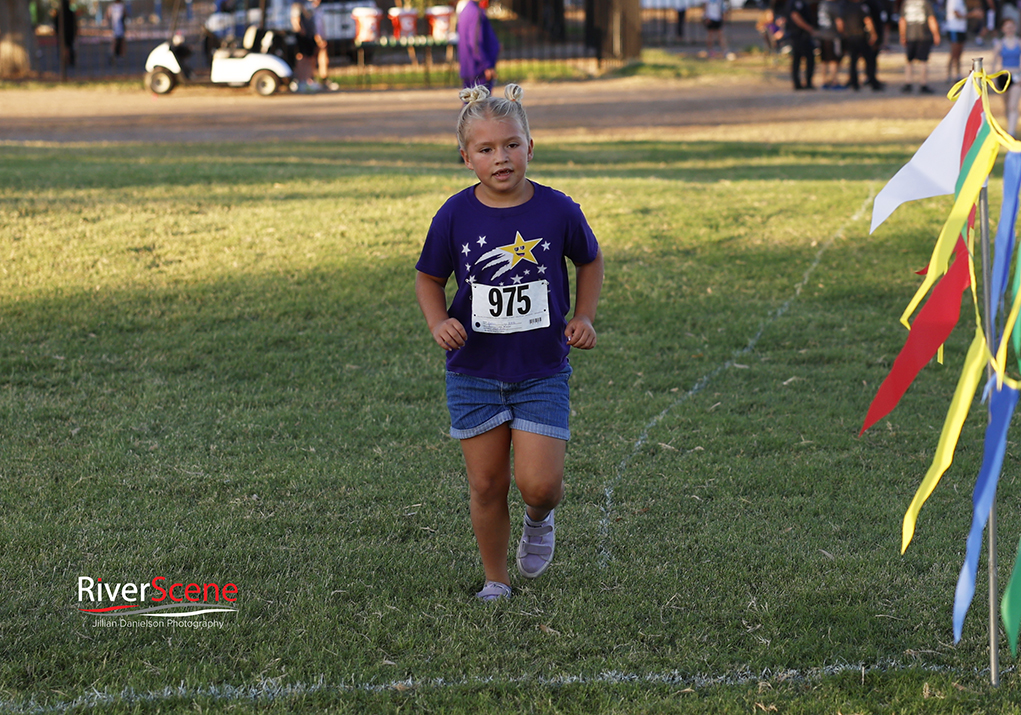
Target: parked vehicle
(233, 15)
(250, 64)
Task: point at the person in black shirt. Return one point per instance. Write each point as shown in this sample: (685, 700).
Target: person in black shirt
(879, 11)
(802, 17)
(859, 37)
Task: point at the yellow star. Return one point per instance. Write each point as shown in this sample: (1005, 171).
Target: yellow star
(521, 249)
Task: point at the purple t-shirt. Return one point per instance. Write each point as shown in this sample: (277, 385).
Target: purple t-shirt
(507, 256)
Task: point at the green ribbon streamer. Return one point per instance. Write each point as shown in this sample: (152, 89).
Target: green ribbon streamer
(1010, 604)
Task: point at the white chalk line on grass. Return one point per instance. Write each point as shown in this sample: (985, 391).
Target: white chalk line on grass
(269, 691)
(605, 553)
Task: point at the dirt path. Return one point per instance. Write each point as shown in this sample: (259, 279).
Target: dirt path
(628, 107)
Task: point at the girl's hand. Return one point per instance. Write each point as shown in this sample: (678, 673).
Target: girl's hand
(580, 333)
(450, 334)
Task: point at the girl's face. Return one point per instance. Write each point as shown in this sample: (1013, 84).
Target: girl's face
(1009, 28)
(498, 152)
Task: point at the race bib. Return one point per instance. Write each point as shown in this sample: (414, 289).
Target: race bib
(510, 309)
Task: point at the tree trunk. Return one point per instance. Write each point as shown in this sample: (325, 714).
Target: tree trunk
(16, 39)
(614, 28)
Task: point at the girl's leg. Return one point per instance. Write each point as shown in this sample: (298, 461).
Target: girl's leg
(539, 475)
(487, 459)
(539, 471)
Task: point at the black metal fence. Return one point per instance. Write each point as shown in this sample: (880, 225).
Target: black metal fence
(540, 39)
(545, 39)
(670, 24)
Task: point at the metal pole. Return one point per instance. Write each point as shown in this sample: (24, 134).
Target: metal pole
(994, 664)
(987, 296)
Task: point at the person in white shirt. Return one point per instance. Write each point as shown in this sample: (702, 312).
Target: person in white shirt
(957, 31)
(712, 17)
(322, 47)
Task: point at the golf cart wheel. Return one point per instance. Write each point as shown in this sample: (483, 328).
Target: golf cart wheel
(265, 83)
(160, 81)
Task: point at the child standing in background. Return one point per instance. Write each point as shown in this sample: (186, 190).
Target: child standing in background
(712, 17)
(506, 240)
(1007, 56)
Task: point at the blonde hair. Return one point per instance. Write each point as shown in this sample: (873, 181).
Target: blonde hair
(478, 104)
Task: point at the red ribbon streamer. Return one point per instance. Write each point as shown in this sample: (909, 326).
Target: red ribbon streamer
(932, 327)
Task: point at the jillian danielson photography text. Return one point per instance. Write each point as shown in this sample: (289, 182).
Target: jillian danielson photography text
(161, 623)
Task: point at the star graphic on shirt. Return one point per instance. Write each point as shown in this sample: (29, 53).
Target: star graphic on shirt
(545, 246)
(515, 279)
(503, 259)
(467, 267)
(465, 250)
(542, 270)
(482, 240)
(521, 249)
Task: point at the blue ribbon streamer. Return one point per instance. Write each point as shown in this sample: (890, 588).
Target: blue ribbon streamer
(1004, 244)
(1001, 409)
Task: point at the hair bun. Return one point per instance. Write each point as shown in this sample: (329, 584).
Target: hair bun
(513, 92)
(471, 95)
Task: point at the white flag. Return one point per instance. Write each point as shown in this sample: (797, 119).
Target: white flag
(934, 168)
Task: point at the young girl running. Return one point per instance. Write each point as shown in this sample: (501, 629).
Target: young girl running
(506, 240)
(1007, 56)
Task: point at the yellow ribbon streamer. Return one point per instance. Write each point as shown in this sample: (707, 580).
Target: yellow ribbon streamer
(983, 83)
(970, 243)
(968, 195)
(1000, 363)
(971, 374)
(979, 355)
(955, 224)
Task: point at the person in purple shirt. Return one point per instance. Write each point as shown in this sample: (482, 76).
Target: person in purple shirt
(477, 46)
(506, 241)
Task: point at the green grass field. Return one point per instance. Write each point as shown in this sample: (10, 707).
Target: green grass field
(213, 369)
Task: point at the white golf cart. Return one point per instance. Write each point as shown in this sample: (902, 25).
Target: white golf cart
(251, 64)
(255, 61)
(339, 27)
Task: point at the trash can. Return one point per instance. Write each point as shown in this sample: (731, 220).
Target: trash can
(440, 19)
(367, 21)
(405, 21)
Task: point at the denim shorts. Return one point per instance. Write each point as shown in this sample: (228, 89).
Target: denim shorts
(541, 406)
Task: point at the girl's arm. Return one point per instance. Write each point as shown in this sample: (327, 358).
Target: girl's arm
(580, 333)
(448, 332)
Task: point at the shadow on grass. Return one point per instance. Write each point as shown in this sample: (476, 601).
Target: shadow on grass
(30, 169)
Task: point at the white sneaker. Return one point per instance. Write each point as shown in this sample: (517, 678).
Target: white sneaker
(494, 591)
(535, 552)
